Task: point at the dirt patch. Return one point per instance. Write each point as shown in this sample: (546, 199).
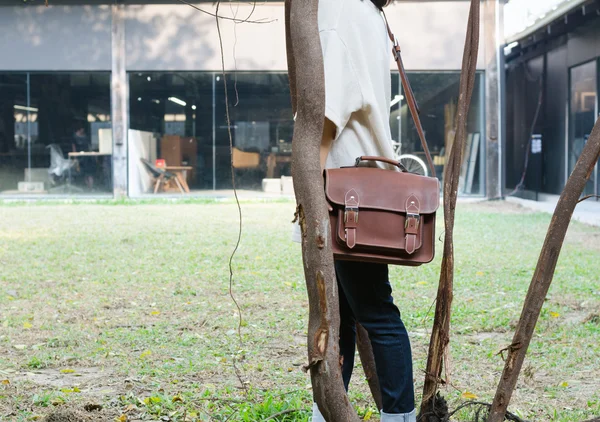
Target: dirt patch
(92, 380)
(71, 414)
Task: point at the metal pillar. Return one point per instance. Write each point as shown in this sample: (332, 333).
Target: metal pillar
(119, 102)
(493, 22)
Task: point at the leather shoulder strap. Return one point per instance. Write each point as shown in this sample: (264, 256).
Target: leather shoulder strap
(410, 96)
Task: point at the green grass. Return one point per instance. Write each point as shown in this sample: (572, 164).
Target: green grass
(129, 307)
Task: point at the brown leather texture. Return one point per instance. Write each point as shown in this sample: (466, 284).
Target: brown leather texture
(382, 215)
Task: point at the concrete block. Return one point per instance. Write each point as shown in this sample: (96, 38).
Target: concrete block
(271, 185)
(37, 175)
(31, 187)
(287, 185)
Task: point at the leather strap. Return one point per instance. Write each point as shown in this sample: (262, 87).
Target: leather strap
(410, 96)
(412, 223)
(352, 201)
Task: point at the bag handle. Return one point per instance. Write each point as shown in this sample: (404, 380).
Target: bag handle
(382, 159)
(410, 96)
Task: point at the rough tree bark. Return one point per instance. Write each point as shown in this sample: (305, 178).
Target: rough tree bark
(544, 272)
(306, 58)
(367, 359)
(440, 335)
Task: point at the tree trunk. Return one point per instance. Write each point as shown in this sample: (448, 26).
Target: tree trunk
(440, 335)
(365, 351)
(304, 47)
(544, 271)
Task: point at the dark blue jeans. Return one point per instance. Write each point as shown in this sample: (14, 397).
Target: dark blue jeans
(366, 297)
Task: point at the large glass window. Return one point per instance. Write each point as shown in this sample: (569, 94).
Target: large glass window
(584, 109)
(55, 134)
(179, 141)
(437, 96)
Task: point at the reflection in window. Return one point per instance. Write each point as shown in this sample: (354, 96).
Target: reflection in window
(179, 141)
(55, 133)
(583, 113)
(437, 96)
(180, 130)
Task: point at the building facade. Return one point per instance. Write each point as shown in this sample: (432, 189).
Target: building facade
(552, 89)
(129, 99)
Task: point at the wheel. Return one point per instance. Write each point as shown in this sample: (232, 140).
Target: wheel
(413, 164)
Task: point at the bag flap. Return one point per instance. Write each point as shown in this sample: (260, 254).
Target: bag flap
(380, 189)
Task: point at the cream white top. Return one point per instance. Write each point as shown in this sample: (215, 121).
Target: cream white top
(356, 53)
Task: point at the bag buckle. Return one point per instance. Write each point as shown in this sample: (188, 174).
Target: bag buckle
(409, 216)
(348, 210)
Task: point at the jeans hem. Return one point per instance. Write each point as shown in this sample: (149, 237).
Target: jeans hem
(399, 417)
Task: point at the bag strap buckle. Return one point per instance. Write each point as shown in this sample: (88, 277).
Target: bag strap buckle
(411, 216)
(348, 210)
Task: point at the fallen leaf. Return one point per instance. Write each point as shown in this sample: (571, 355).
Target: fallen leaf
(129, 408)
(554, 314)
(422, 283)
(145, 354)
(27, 325)
(287, 283)
(155, 313)
(177, 399)
(368, 416)
(5, 382)
(468, 395)
(564, 384)
(150, 400)
(67, 371)
(479, 274)
(122, 418)
(20, 346)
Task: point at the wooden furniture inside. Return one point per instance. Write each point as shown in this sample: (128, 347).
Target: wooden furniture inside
(180, 151)
(274, 162)
(245, 160)
(162, 179)
(180, 173)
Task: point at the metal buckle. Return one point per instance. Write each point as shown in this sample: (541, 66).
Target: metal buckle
(350, 209)
(410, 215)
(396, 49)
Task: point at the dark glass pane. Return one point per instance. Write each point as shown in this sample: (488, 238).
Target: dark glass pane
(261, 128)
(437, 96)
(583, 113)
(171, 115)
(177, 110)
(57, 133)
(18, 124)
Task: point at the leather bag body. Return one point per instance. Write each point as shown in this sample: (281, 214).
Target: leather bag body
(384, 216)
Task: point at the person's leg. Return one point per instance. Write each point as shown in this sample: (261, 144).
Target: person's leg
(347, 345)
(369, 294)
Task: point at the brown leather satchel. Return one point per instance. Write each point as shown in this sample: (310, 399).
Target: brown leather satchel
(384, 216)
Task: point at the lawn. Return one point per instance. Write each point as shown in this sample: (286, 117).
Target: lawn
(127, 307)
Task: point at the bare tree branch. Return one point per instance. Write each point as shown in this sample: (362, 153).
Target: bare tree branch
(544, 272)
(440, 335)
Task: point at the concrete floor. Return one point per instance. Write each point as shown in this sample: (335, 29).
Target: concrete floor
(587, 212)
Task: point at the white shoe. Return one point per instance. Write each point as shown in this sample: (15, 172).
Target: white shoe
(316, 414)
(399, 417)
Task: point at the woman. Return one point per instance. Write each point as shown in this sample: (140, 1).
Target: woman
(356, 53)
